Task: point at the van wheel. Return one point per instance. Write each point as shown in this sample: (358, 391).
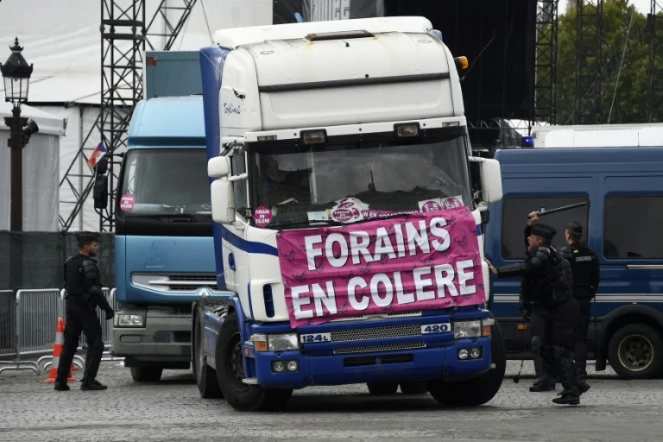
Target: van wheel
(146, 374)
(382, 388)
(208, 385)
(479, 390)
(230, 372)
(414, 388)
(635, 351)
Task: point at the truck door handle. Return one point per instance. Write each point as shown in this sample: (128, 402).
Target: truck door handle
(644, 266)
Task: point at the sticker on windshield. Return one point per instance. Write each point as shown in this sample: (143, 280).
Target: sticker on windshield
(262, 216)
(434, 205)
(348, 210)
(127, 202)
(453, 202)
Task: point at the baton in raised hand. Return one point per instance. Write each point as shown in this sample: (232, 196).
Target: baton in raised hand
(541, 213)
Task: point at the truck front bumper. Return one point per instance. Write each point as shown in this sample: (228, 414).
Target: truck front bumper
(394, 366)
(164, 341)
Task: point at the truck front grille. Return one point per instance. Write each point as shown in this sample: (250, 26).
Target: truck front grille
(377, 348)
(176, 283)
(391, 331)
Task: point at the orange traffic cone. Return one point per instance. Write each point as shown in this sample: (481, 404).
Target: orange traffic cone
(57, 350)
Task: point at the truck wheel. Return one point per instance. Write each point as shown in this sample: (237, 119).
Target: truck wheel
(635, 351)
(208, 385)
(146, 374)
(479, 390)
(230, 372)
(382, 388)
(414, 388)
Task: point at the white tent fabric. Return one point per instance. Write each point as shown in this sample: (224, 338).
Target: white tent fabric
(40, 171)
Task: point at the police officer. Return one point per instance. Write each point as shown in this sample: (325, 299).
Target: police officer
(536, 314)
(586, 275)
(547, 279)
(83, 295)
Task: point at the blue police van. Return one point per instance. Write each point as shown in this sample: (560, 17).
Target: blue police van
(622, 222)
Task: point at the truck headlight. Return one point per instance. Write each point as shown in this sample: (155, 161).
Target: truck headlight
(467, 329)
(283, 342)
(130, 321)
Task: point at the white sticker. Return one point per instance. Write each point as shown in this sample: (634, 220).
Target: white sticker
(428, 329)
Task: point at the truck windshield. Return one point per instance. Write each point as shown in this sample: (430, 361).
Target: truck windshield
(306, 185)
(165, 181)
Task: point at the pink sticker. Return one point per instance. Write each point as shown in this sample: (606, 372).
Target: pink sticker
(342, 215)
(452, 203)
(127, 202)
(431, 206)
(262, 216)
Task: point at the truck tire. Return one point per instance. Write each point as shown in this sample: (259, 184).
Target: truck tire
(146, 374)
(230, 372)
(635, 351)
(205, 376)
(414, 387)
(382, 388)
(479, 390)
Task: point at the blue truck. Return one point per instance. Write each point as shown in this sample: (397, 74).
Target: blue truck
(164, 252)
(623, 192)
(299, 144)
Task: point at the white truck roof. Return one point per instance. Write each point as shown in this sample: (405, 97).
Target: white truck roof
(235, 37)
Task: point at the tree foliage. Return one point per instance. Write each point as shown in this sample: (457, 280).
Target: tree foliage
(614, 86)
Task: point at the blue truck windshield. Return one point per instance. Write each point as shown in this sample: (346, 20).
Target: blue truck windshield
(165, 182)
(294, 186)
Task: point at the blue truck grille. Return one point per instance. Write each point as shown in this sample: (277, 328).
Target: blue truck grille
(377, 348)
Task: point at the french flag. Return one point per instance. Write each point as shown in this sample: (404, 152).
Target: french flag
(97, 153)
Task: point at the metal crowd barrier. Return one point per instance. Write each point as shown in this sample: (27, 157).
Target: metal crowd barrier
(28, 322)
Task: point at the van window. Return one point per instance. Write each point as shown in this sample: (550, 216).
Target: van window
(633, 227)
(514, 220)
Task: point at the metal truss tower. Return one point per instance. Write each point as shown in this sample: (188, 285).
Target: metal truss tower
(545, 67)
(125, 33)
(655, 73)
(589, 43)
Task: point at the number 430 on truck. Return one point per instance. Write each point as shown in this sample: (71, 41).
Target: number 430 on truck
(349, 217)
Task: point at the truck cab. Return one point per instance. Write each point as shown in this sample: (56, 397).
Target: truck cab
(339, 155)
(164, 252)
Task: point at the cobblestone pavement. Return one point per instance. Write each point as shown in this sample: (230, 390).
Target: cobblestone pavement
(172, 410)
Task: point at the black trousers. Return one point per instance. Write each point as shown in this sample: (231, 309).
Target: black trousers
(81, 318)
(537, 325)
(582, 337)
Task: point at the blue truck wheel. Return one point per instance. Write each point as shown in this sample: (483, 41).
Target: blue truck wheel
(479, 390)
(382, 388)
(208, 385)
(230, 372)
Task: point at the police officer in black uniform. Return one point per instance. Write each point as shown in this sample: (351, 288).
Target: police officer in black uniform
(547, 279)
(586, 275)
(83, 296)
(536, 314)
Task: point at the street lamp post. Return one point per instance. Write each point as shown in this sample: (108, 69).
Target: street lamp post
(16, 75)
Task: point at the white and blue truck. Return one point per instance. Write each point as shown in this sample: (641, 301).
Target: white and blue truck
(348, 217)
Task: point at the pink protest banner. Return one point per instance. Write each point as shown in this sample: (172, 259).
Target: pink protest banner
(418, 261)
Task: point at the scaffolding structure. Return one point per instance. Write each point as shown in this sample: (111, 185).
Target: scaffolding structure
(545, 64)
(589, 63)
(655, 71)
(125, 33)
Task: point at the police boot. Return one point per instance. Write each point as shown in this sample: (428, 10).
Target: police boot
(93, 386)
(567, 374)
(545, 380)
(581, 377)
(61, 386)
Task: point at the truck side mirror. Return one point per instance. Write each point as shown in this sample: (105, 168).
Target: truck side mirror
(223, 199)
(218, 167)
(491, 179)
